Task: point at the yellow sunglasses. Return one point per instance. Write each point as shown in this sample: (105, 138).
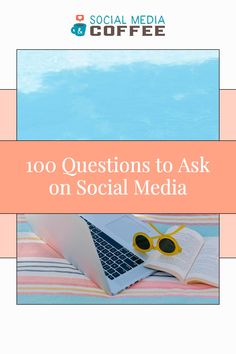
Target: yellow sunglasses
(166, 244)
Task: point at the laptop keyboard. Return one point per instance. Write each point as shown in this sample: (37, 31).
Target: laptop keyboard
(116, 259)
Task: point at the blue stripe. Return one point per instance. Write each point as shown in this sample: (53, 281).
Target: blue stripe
(23, 227)
(82, 300)
(41, 262)
(204, 230)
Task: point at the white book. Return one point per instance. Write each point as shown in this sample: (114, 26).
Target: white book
(197, 263)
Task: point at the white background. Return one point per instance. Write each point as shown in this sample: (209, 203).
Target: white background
(46, 24)
(117, 329)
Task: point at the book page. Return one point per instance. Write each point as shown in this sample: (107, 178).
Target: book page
(205, 268)
(179, 264)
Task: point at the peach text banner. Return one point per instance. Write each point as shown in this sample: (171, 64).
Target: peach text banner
(23, 192)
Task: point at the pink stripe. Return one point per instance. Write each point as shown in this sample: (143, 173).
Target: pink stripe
(169, 285)
(36, 250)
(56, 281)
(170, 294)
(61, 293)
(117, 296)
(87, 282)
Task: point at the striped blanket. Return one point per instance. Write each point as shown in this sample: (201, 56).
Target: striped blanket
(45, 277)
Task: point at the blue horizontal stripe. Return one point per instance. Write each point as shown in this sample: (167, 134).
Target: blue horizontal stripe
(23, 227)
(82, 300)
(204, 230)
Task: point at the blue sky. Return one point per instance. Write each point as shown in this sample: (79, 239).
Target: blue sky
(123, 95)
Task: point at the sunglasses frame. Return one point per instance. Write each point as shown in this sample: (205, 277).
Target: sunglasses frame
(150, 239)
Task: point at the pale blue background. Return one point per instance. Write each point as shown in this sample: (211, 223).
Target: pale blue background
(74, 95)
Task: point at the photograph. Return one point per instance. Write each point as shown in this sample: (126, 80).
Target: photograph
(118, 94)
(118, 259)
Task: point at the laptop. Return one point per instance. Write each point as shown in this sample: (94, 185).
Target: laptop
(100, 245)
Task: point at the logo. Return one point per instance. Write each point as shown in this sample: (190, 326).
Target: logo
(120, 25)
(79, 28)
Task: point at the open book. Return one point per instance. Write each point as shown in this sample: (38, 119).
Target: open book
(197, 263)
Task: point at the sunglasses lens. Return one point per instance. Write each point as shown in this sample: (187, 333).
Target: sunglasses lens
(142, 242)
(167, 245)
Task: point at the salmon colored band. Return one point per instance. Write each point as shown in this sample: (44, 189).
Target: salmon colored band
(212, 192)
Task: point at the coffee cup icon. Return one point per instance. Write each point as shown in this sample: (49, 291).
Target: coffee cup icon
(79, 29)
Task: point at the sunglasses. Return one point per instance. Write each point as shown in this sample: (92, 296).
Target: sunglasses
(166, 243)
